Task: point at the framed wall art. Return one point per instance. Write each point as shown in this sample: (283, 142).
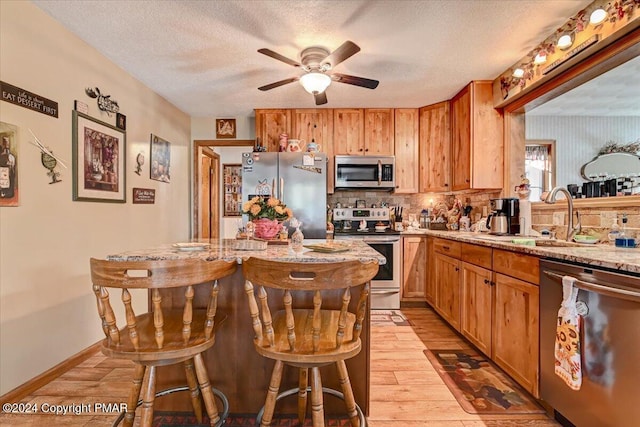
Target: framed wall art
(225, 128)
(8, 165)
(232, 177)
(160, 159)
(99, 156)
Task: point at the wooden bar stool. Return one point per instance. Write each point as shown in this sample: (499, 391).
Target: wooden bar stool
(164, 336)
(309, 337)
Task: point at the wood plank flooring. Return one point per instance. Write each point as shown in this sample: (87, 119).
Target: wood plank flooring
(406, 391)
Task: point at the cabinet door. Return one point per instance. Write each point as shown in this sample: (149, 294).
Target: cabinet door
(406, 150)
(316, 124)
(430, 292)
(515, 330)
(414, 268)
(477, 299)
(461, 140)
(378, 131)
(270, 124)
(435, 148)
(448, 289)
(348, 131)
(487, 138)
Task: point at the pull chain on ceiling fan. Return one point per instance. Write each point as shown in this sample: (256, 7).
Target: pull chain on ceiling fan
(317, 63)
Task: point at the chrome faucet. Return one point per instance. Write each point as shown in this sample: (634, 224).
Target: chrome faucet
(551, 199)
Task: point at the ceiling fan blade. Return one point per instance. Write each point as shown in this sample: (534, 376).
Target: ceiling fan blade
(346, 50)
(354, 80)
(278, 84)
(279, 57)
(321, 98)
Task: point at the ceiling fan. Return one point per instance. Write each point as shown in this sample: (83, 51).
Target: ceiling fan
(316, 63)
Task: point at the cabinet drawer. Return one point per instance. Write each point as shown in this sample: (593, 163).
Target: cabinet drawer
(477, 255)
(520, 266)
(447, 247)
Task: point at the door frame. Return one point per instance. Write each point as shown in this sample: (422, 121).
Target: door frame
(198, 144)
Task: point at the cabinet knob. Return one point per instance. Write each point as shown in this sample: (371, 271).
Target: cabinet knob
(366, 149)
(457, 268)
(360, 149)
(446, 185)
(446, 248)
(487, 282)
(467, 180)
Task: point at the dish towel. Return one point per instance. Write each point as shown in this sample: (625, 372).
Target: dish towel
(567, 348)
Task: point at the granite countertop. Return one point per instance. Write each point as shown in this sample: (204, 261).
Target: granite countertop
(599, 255)
(223, 249)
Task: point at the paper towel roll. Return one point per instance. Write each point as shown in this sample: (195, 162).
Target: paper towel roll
(525, 217)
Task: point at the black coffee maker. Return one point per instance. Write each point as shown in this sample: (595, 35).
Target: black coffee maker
(505, 216)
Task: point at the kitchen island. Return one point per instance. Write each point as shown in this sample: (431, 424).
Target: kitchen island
(233, 365)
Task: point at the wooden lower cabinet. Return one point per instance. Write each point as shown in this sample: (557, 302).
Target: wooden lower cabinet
(515, 330)
(447, 277)
(477, 306)
(430, 291)
(414, 268)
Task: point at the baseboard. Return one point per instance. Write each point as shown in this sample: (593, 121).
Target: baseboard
(22, 391)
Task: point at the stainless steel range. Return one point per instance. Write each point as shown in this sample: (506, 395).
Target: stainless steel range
(348, 224)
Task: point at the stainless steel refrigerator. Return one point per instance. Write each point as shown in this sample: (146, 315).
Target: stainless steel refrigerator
(298, 179)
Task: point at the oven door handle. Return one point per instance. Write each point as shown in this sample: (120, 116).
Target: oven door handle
(603, 289)
(379, 172)
(383, 292)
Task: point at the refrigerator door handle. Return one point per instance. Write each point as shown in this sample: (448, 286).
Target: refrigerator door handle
(282, 190)
(273, 187)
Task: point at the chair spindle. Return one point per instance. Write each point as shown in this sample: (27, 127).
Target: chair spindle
(131, 318)
(266, 315)
(211, 310)
(342, 321)
(103, 320)
(317, 322)
(187, 315)
(253, 309)
(158, 319)
(291, 326)
(362, 308)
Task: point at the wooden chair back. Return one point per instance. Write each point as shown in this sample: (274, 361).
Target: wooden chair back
(156, 275)
(307, 277)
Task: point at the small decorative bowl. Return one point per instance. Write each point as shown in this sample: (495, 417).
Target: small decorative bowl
(583, 238)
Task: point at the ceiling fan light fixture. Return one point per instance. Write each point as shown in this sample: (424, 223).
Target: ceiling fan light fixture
(315, 82)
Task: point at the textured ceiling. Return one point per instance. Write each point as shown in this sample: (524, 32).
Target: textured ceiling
(615, 93)
(202, 55)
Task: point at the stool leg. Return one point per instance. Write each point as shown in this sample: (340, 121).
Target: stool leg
(349, 400)
(148, 396)
(193, 388)
(317, 409)
(274, 386)
(205, 387)
(303, 381)
(132, 403)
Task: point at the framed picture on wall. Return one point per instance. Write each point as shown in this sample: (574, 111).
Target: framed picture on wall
(160, 159)
(232, 177)
(8, 165)
(225, 128)
(99, 156)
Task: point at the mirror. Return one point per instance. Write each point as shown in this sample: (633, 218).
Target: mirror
(612, 165)
(585, 119)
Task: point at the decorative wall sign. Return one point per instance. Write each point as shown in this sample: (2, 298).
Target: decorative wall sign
(144, 196)
(121, 121)
(105, 103)
(8, 165)
(160, 159)
(232, 175)
(99, 157)
(48, 159)
(225, 128)
(29, 100)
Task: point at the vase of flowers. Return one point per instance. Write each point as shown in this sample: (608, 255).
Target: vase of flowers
(267, 215)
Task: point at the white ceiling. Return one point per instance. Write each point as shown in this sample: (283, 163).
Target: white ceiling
(202, 55)
(614, 93)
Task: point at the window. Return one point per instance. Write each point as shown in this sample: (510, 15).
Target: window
(539, 166)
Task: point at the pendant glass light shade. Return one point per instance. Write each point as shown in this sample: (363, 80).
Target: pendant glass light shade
(315, 82)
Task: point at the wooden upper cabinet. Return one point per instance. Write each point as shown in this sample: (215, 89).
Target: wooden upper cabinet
(316, 124)
(270, 124)
(406, 150)
(435, 148)
(477, 139)
(348, 131)
(378, 132)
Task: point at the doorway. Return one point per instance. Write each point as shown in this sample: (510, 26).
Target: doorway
(206, 186)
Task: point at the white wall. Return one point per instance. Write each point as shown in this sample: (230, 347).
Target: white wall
(47, 309)
(204, 128)
(579, 138)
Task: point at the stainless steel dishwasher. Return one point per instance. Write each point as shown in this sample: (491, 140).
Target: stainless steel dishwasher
(609, 305)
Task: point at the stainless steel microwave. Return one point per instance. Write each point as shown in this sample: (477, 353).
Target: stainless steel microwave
(365, 173)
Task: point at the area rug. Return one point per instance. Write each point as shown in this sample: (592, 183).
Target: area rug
(478, 385)
(388, 318)
(188, 419)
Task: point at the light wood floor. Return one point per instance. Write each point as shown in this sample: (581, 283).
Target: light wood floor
(406, 391)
